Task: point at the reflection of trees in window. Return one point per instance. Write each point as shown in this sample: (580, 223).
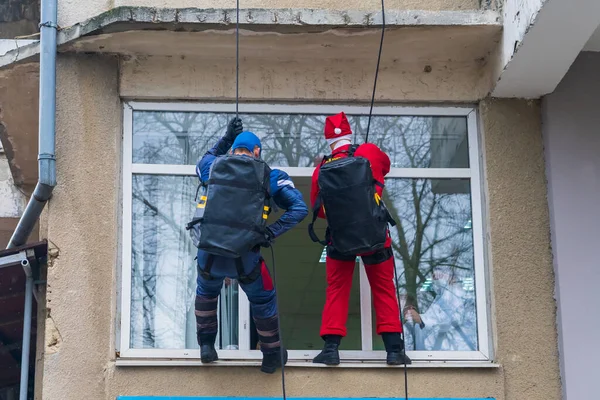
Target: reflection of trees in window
(289, 140)
(295, 140)
(174, 138)
(435, 247)
(162, 274)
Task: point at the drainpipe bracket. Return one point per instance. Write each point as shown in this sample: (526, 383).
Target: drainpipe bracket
(46, 156)
(48, 24)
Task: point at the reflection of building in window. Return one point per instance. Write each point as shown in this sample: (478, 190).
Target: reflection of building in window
(449, 149)
(434, 245)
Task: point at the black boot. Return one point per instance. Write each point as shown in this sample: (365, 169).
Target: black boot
(394, 345)
(208, 353)
(272, 361)
(330, 354)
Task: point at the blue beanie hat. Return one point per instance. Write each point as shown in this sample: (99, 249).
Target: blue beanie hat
(246, 140)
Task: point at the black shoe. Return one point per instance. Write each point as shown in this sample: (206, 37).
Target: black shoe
(272, 361)
(397, 358)
(330, 354)
(394, 346)
(208, 353)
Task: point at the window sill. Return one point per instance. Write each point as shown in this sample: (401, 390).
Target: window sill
(121, 362)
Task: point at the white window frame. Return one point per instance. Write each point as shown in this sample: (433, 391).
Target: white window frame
(367, 354)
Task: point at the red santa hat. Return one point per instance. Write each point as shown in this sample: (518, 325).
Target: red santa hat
(337, 127)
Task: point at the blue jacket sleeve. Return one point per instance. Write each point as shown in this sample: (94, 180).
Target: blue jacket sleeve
(219, 149)
(288, 198)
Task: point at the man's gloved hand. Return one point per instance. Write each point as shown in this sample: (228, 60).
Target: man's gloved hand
(268, 239)
(234, 128)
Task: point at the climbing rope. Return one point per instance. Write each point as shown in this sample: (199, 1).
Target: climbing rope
(367, 141)
(376, 69)
(237, 58)
(279, 326)
(402, 325)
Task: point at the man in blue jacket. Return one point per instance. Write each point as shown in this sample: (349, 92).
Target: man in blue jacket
(257, 283)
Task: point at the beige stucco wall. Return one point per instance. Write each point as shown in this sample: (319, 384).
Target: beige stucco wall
(83, 223)
(519, 249)
(416, 66)
(73, 11)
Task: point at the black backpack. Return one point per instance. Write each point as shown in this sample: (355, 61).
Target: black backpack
(231, 216)
(356, 217)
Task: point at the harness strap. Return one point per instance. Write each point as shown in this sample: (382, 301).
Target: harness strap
(239, 266)
(193, 223)
(205, 272)
(352, 150)
(311, 228)
(252, 276)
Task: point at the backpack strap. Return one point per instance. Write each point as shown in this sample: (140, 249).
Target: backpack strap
(311, 229)
(352, 150)
(193, 223)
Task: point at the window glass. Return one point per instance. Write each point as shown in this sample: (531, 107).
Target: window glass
(163, 276)
(433, 244)
(301, 283)
(297, 140)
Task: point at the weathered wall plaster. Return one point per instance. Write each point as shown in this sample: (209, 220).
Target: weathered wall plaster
(73, 11)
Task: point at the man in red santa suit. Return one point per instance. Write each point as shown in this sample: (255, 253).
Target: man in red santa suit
(379, 265)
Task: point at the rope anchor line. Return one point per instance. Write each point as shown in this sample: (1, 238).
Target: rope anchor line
(376, 69)
(237, 101)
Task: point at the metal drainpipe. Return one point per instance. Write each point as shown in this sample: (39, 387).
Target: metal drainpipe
(47, 168)
(23, 391)
(47, 124)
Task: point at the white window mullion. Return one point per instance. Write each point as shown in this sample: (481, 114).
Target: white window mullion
(429, 173)
(244, 320)
(160, 169)
(366, 321)
(190, 170)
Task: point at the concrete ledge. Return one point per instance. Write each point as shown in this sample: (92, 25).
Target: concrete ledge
(123, 19)
(303, 364)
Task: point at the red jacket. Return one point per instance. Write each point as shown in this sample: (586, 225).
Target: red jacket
(380, 166)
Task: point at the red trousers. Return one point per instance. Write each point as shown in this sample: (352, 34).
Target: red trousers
(337, 296)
